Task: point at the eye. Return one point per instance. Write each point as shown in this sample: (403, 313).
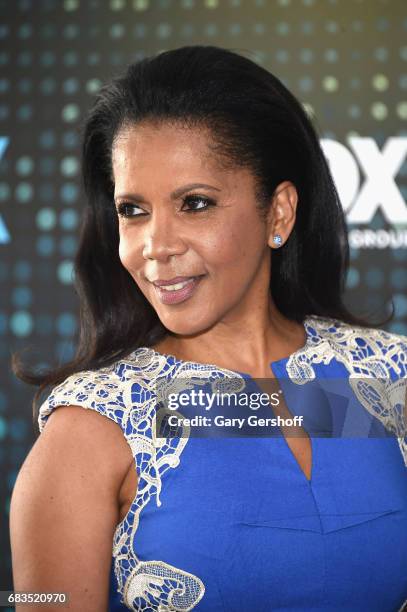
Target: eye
(196, 198)
(122, 210)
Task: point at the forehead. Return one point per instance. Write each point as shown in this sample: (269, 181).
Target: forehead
(162, 156)
(158, 147)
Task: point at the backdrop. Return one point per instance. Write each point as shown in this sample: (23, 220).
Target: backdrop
(344, 59)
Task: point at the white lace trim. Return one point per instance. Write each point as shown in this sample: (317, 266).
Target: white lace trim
(163, 586)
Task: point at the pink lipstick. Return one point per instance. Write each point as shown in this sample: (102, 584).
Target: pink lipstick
(178, 291)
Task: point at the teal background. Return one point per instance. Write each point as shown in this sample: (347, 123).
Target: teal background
(346, 60)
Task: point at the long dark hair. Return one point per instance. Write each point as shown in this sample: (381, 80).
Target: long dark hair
(255, 122)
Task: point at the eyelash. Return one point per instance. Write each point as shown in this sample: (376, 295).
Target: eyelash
(209, 202)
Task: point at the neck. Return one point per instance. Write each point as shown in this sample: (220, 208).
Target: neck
(266, 335)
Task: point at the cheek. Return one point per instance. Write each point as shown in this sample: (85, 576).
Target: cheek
(238, 245)
(128, 253)
(124, 253)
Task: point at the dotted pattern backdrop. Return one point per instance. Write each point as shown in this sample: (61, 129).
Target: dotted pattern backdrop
(346, 60)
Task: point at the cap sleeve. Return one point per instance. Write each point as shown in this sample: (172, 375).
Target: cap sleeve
(381, 383)
(395, 354)
(96, 390)
(395, 386)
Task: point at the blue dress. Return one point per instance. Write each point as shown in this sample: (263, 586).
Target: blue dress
(230, 523)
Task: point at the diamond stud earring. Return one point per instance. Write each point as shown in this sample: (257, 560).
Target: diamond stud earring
(278, 241)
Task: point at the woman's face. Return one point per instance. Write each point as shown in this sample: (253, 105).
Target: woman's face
(171, 228)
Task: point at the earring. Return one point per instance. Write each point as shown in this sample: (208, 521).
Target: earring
(278, 241)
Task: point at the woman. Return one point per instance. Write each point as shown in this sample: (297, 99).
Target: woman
(213, 254)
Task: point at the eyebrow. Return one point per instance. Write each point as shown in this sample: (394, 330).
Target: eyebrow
(174, 195)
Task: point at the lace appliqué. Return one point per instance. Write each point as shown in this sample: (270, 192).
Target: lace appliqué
(159, 586)
(156, 583)
(376, 357)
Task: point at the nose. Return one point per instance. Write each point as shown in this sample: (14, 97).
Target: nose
(162, 237)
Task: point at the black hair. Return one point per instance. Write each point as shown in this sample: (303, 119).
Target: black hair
(254, 122)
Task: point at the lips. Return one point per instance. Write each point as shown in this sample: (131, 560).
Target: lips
(179, 285)
(178, 292)
(172, 281)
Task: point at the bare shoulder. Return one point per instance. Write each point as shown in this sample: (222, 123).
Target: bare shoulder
(65, 507)
(92, 436)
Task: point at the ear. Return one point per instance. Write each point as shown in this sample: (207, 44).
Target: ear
(281, 216)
